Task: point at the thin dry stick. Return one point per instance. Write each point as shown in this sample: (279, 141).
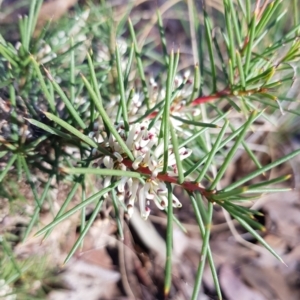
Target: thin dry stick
(238, 237)
(123, 272)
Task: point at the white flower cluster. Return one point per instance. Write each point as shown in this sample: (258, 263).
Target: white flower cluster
(6, 291)
(137, 108)
(147, 150)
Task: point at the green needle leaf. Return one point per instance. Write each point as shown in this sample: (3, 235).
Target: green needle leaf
(139, 63)
(85, 230)
(250, 43)
(259, 238)
(128, 67)
(7, 167)
(64, 206)
(166, 113)
(102, 172)
(209, 42)
(177, 156)
(204, 250)
(228, 19)
(262, 170)
(195, 123)
(162, 37)
(106, 118)
(37, 210)
(121, 89)
(94, 78)
(69, 128)
(169, 243)
(45, 90)
(49, 129)
(233, 150)
(77, 208)
(212, 152)
(197, 206)
(66, 101)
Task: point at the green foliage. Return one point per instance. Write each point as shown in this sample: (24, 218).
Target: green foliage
(80, 93)
(22, 272)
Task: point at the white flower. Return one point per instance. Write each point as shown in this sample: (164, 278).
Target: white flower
(133, 191)
(154, 190)
(147, 151)
(6, 291)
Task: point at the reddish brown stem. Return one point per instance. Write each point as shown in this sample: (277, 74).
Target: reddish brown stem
(200, 100)
(204, 99)
(187, 185)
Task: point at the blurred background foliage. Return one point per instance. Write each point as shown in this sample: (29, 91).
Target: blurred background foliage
(65, 32)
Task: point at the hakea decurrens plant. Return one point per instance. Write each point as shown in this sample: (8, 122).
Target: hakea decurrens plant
(147, 150)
